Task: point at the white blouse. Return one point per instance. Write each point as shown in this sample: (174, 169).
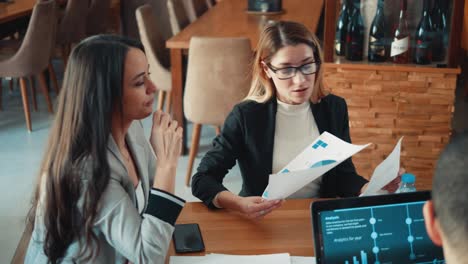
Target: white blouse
(140, 198)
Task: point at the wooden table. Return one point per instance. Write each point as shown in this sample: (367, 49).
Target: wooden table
(16, 9)
(229, 19)
(22, 8)
(287, 229)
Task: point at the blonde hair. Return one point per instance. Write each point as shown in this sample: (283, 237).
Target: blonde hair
(275, 36)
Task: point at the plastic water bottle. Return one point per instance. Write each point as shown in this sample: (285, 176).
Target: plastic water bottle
(407, 183)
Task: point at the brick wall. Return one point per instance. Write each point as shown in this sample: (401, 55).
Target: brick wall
(385, 104)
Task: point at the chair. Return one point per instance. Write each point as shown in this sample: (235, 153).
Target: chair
(178, 15)
(10, 46)
(129, 24)
(33, 56)
(127, 17)
(22, 247)
(196, 8)
(72, 26)
(218, 77)
(98, 17)
(150, 35)
(210, 3)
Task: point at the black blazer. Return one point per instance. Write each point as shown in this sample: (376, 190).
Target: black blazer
(248, 137)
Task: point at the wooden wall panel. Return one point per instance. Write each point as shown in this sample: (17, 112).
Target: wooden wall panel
(387, 104)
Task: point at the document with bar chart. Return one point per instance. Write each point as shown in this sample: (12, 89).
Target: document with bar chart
(378, 234)
(326, 152)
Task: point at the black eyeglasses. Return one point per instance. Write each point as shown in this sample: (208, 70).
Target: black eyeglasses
(289, 72)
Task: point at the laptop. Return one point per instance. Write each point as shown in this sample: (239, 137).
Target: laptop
(373, 230)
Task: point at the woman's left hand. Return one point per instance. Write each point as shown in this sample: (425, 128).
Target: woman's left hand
(392, 186)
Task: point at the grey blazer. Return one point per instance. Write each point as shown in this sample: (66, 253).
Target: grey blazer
(123, 234)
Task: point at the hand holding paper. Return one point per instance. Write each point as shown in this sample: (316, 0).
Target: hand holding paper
(385, 172)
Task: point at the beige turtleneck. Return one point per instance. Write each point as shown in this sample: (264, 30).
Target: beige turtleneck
(295, 129)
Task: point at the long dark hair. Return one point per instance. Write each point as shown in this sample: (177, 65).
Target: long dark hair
(75, 170)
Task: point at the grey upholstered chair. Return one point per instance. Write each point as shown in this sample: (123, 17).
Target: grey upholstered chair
(129, 24)
(210, 3)
(218, 77)
(33, 56)
(72, 26)
(98, 17)
(178, 15)
(151, 37)
(196, 8)
(127, 17)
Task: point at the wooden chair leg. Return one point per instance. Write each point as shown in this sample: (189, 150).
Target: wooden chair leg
(1, 93)
(54, 78)
(193, 151)
(45, 91)
(218, 130)
(466, 88)
(169, 101)
(65, 53)
(11, 84)
(22, 247)
(33, 92)
(24, 96)
(161, 96)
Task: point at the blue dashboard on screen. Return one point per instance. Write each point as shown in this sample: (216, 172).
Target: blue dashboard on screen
(387, 234)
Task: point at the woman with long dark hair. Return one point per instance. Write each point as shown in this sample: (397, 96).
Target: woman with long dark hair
(101, 196)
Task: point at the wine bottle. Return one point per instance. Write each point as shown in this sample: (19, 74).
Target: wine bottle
(342, 28)
(439, 29)
(377, 49)
(400, 51)
(355, 34)
(445, 7)
(423, 49)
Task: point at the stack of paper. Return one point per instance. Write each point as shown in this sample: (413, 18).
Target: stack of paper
(325, 153)
(282, 258)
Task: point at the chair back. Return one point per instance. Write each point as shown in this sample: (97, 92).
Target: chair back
(178, 15)
(196, 8)
(218, 77)
(210, 3)
(150, 35)
(200, 6)
(36, 49)
(98, 17)
(128, 22)
(72, 26)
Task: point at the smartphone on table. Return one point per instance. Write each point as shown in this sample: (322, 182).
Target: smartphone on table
(188, 238)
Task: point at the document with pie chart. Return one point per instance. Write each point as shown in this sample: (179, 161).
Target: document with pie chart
(325, 153)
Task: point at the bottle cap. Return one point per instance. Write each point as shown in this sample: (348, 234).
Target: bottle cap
(408, 178)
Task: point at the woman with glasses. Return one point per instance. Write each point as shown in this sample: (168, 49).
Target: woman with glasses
(286, 109)
(101, 197)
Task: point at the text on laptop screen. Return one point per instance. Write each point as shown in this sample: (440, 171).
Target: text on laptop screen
(392, 233)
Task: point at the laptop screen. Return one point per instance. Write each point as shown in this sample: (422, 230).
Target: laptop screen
(377, 229)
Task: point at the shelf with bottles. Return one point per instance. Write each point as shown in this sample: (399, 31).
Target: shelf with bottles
(401, 32)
